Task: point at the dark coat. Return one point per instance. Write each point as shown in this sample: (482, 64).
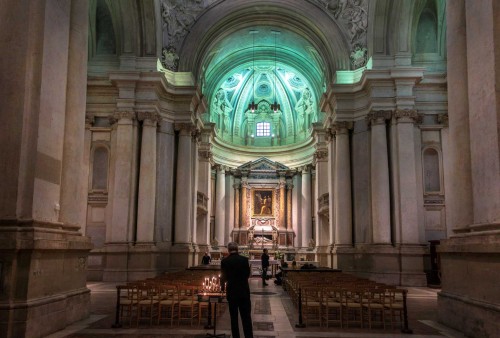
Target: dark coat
(265, 260)
(235, 271)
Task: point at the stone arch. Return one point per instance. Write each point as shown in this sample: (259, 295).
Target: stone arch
(136, 27)
(304, 18)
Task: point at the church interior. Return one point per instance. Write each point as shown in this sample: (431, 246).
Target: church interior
(354, 135)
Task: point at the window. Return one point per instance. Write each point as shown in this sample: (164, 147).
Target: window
(263, 129)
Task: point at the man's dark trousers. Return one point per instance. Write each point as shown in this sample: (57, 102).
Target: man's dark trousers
(243, 304)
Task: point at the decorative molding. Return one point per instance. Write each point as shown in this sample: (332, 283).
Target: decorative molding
(352, 16)
(378, 117)
(177, 18)
(89, 120)
(205, 154)
(184, 128)
(443, 119)
(342, 127)
(119, 115)
(321, 154)
(148, 115)
(408, 115)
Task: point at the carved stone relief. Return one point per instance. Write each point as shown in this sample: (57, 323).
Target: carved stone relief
(177, 18)
(352, 15)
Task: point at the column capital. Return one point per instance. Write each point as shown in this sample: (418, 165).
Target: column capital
(122, 116)
(205, 154)
(376, 117)
(320, 155)
(306, 169)
(342, 127)
(443, 119)
(149, 117)
(184, 129)
(236, 186)
(407, 116)
(221, 168)
(89, 120)
(289, 186)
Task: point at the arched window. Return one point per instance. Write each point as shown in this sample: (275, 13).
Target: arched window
(432, 177)
(263, 129)
(100, 169)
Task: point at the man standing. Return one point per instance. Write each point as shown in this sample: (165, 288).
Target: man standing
(235, 272)
(265, 264)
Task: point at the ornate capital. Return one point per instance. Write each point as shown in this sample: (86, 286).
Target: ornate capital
(443, 119)
(185, 129)
(150, 116)
(89, 120)
(342, 127)
(407, 116)
(378, 117)
(321, 154)
(122, 115)
(289, 186)
(305, 169)
(205, 154)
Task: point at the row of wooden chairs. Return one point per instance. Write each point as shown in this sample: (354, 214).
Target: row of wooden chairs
(167, 298)
(345, 300)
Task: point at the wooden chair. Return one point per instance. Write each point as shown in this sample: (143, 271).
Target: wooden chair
(394, 304)
(148, 303)
(332, 305)
(188, 303)
(128, 303)
(167, 302)
(375, 305)
(311, 304)
(352, 302)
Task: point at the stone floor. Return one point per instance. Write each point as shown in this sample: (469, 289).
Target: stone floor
(273, 315)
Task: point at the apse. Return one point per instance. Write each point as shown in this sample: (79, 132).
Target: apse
(263, 65)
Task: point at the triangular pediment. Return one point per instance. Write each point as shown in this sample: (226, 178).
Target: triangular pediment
(263, 164)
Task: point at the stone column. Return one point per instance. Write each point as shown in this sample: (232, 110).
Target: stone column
(483, 71)
(183, 198)
(220, 205)
(459, 192)
(205, 182)
(244, 202)
(282, 212)
(343, 204)
(331, 186)
(73, 180)
(89, 121)
(306, 226)
(195, 138)
(289, 187)
(165, 199)
(405, 137)
(121, 199)
(297, 208)
(236, 186)
(229, 222)
(147, 178)
(380, 195)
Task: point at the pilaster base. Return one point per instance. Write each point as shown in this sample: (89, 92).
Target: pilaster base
(403, 265)
(470, 279)
(126, 262)
(43, 278)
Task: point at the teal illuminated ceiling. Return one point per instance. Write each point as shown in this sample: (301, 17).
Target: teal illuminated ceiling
(263, 65)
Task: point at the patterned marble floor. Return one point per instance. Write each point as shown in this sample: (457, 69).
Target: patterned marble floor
(273, 315)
